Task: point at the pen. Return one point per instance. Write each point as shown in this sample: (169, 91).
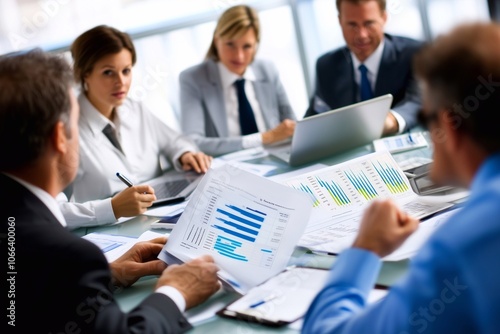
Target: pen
(124, 180)
(263, 301)
(410, 138)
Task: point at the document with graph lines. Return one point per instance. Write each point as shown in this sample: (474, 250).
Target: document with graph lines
(249, 224)
(341, 193)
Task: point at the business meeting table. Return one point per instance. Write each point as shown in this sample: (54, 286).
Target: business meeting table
(128, 298)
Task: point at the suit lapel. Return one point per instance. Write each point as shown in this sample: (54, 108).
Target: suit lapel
(214, 99)
(20, 196)
(389, 60)
(263, 90)
(347, 91)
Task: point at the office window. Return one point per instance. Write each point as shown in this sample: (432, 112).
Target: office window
(404, 19)
(445, 14)
(171, 35)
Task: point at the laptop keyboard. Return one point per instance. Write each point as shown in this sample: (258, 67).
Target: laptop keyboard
(170, 188)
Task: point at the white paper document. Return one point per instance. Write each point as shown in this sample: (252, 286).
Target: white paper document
(114, 246)
(400, 143)
(249, 224)
(341, 193)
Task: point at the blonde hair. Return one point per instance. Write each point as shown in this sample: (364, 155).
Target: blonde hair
(234, 23)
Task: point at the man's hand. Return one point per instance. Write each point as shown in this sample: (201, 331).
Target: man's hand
(199, 161)
(133, 201)
(196, 280)
(391, 125)
(140, 260)
(384, 228)
(283, 131)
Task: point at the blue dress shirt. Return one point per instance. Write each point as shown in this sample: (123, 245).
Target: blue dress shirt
(452, 285)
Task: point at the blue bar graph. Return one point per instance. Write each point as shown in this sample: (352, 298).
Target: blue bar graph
(249, 214)
(226, 247)
(238, 218)
(362, 184)
(237, 226)
(236, 234)
(391, 177)
(336, 192)
(305, 188)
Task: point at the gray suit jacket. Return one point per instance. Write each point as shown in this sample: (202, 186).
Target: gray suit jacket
(203, 112)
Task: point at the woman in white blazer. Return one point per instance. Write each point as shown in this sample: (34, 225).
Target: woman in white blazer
(118, 134)
(211, 101)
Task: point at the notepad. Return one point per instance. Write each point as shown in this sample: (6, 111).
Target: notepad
(400, 143)
(284, 298)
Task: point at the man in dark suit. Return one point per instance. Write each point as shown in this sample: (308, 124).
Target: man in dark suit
(372, 64)
(58, 282)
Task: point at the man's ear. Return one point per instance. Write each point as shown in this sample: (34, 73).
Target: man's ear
(451, 123)
(59, 138)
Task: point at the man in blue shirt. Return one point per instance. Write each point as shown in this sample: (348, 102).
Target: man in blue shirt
(452, 285)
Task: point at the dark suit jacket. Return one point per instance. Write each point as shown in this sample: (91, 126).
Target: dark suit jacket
(336, 88)
(63, 282)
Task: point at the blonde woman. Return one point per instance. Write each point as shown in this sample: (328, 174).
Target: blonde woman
(232, 101)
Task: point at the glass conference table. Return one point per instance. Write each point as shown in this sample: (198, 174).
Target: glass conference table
(130, 297)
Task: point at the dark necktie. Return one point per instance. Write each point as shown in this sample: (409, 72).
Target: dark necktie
(366, 89)
(247, 118)
(110, 133)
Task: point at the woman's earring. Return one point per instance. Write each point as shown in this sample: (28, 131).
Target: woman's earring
(85, 86)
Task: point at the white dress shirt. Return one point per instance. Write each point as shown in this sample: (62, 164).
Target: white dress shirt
(231, 103)
(144, 140)
(372, 63)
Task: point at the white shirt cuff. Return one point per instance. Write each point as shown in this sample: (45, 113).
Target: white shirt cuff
(104, 213)
(251, 141)
(401, 121)
(173, 294)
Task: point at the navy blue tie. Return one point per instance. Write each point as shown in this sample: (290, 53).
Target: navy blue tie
(247, 118)
(366, 89)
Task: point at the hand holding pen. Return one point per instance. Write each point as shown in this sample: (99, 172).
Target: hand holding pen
(132, 201)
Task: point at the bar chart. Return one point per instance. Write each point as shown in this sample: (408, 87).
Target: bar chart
(248, 224)
(353, 184)
(391, 177)
(362, 184)
(335, 191)
(307, 189)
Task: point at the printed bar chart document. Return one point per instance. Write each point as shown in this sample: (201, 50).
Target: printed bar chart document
(249, 224)
(340, 194)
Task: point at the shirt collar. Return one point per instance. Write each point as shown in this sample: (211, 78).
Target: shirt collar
(94, 119)
(49, 201)
(228, 78)
(488, 170)
(372, 63)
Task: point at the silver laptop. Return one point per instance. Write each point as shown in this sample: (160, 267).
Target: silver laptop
(337, 130)
(173, 186)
